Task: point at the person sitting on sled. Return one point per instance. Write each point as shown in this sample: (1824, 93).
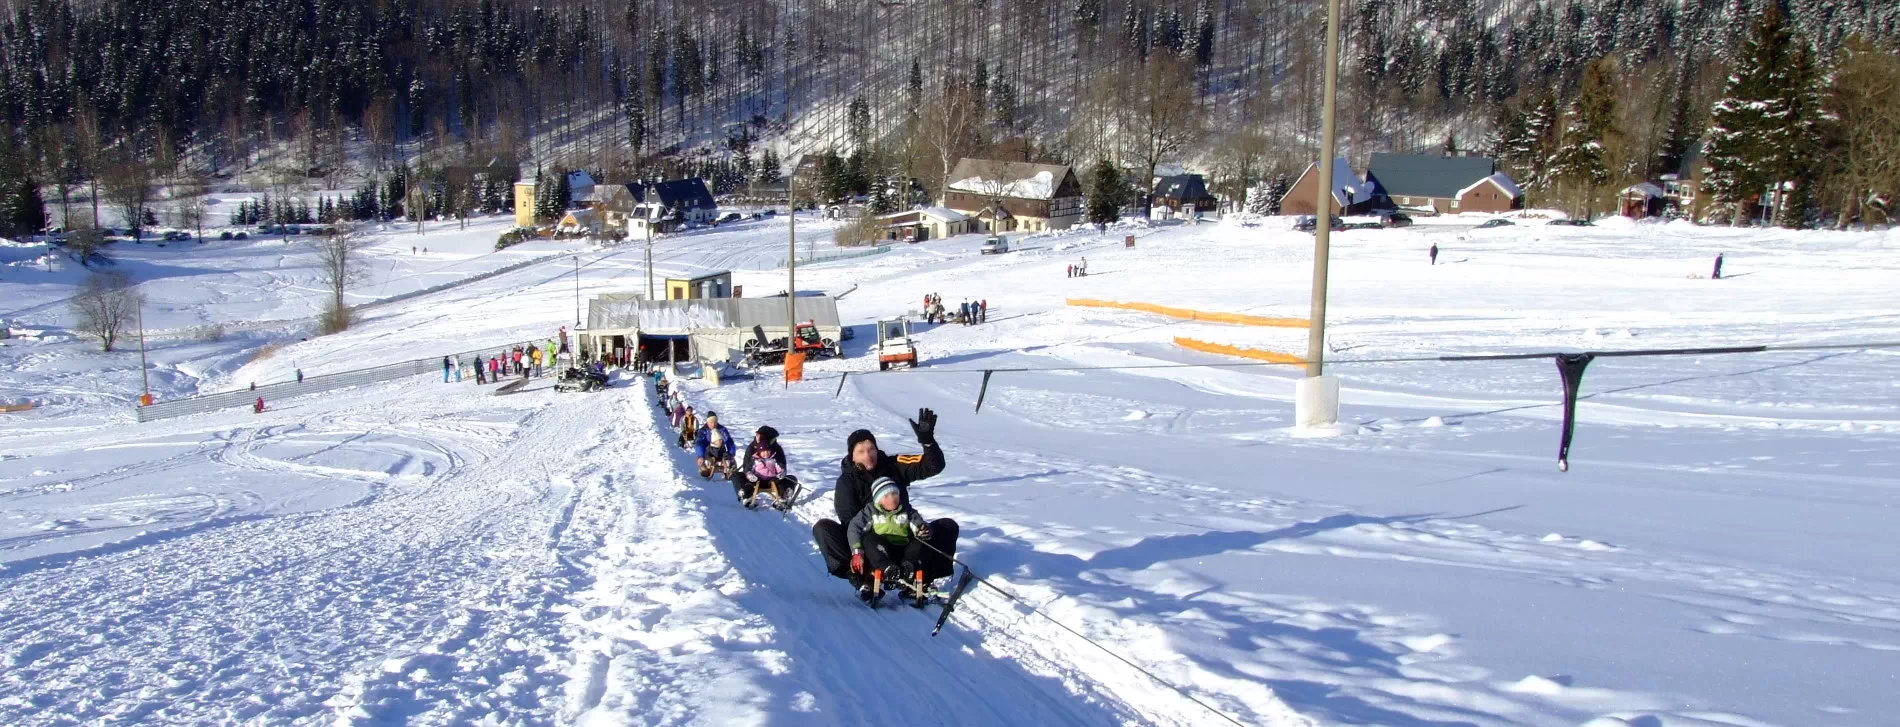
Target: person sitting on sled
(887, 540)
(864, 464)
(689, 429)
(678, 414)
(762, 468)
(712, 444)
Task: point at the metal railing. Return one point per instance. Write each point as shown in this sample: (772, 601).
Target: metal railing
(310, 385)
(836, 256)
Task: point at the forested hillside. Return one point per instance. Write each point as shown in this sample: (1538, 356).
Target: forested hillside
(1577, 96)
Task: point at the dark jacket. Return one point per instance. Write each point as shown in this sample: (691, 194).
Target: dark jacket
(703, 439)
(854, 485)
(778, 453)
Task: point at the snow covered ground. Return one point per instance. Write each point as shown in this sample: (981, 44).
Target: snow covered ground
(1721, 552)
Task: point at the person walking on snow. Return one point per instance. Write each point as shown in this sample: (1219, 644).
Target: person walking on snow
(1434, 253)
(763, 466)
(887, 540)
(983, 310)
(1717, 275)
(863, 465)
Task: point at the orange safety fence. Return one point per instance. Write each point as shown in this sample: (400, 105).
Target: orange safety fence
(1252, 353)
(1194, 315)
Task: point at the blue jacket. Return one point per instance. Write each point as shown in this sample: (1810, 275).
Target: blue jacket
(704, 439)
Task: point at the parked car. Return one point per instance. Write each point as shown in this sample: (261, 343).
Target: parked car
(1499, 222)
(995, 245)
(1310, 223)
(241, 235)
(177, 236)
(1572, 223)
(1396, 219)
(731, 217)
(225, 235)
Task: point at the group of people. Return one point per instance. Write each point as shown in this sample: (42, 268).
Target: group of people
(530, 360)
(969, 312)
(878, 538)
(1079, 270)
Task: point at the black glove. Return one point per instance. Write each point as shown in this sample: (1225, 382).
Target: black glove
(925, 426)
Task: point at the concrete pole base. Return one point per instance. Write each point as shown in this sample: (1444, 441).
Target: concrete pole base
(1316, 403)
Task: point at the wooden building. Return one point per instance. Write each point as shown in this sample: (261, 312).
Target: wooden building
(1014, 196)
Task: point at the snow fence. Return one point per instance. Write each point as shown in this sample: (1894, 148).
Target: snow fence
(1257, 354)
(1194, 315)
(310, 385)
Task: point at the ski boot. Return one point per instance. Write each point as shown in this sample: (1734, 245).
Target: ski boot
(917, 590)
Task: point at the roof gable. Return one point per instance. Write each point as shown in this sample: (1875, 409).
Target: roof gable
(1425, 175)
(1182, 186)
(1016, 180)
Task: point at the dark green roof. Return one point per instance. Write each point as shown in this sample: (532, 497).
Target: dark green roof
(1424, 175)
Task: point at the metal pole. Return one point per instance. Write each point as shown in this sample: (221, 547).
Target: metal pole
(1322, 231)
(577, 291)
(145, 378)
(648, 224)
(791, 270)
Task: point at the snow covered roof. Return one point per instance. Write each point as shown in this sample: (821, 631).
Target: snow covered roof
(1427, 175)
(697, 273)
(1348, 188)
(580, 183)
(1644, 188)
(943, 214)
(1502, 180)
(1018, 180)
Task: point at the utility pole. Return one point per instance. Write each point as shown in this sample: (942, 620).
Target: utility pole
(648, 223)
(1316, 397)
(791, 269)
(145, 377)
(577, 291)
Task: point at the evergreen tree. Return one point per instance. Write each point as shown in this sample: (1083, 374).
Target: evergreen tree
(769, 166)
(637, 123)
(396, 190)
(1451, 144)
(1681, 129)
(858, 122)
(1277, 192)
(883, 201)
(1107, 193)
(833, 182)
(563, 193)
(1579, 164)
(1203, 43)
(1135, 28)
(25, 209)
(1761, 131)
(914, 90)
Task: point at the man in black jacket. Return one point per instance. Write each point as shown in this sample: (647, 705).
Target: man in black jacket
(863, 464)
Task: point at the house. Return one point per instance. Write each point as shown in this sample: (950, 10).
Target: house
(578, 222)
(1669, 196)
(1443, 184)
(629, 208)
(524, 204)
(698, 329)
(1351, 195)
(1184, 193)
(580, 188)
(701, 284)
(1014, 196)
(931, 223)
(807, 171)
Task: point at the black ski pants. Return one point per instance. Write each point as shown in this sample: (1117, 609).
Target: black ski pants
(829, 535)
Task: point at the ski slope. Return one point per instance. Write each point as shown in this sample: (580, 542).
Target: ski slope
(416, 552)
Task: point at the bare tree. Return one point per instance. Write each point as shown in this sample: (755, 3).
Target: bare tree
(1863, 163)
(339, 267)
(1164, 121)
(130, 185)
(83, 244)
(107, 307)
(949, 127)
(190, 185)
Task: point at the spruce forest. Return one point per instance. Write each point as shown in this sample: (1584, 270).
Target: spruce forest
(123, 102)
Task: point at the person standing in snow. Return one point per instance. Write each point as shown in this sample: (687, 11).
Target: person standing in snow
(481, 373)
(299, 376)
(983, 310)
(447, 365)
(1717, 275)
(1433, 253)
(864, 464)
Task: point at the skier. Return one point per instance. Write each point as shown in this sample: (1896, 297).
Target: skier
(887, 541)
(763, 466)
(448, 364)
(712, 445)
(1717, 275)
(1434, 253)
(863, 464)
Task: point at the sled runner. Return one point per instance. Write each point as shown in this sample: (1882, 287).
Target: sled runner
(783, 493)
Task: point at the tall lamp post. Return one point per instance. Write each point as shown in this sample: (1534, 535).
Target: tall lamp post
(791, 265)
(1316, 397)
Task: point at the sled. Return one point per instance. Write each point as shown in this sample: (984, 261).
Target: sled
(783, 494)
(721, 467)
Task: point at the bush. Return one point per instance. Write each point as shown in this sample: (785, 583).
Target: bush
(514, 237)
(866, 230)
(225, 235)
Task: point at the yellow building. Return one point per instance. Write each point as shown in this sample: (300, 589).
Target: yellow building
(711, 284)
(524, 204)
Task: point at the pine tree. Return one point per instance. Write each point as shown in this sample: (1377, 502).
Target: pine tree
(769, 171)
(1259, 200)
(1680, 132)
(25, 212)
(1203, 43)
(1107, 192)
(563, 193)
(396, 191)
(883, 202)
(858, 122)
(914, 90)
(1579, 164)
(1761, 130)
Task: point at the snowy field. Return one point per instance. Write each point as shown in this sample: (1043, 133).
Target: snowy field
(1721, 552)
